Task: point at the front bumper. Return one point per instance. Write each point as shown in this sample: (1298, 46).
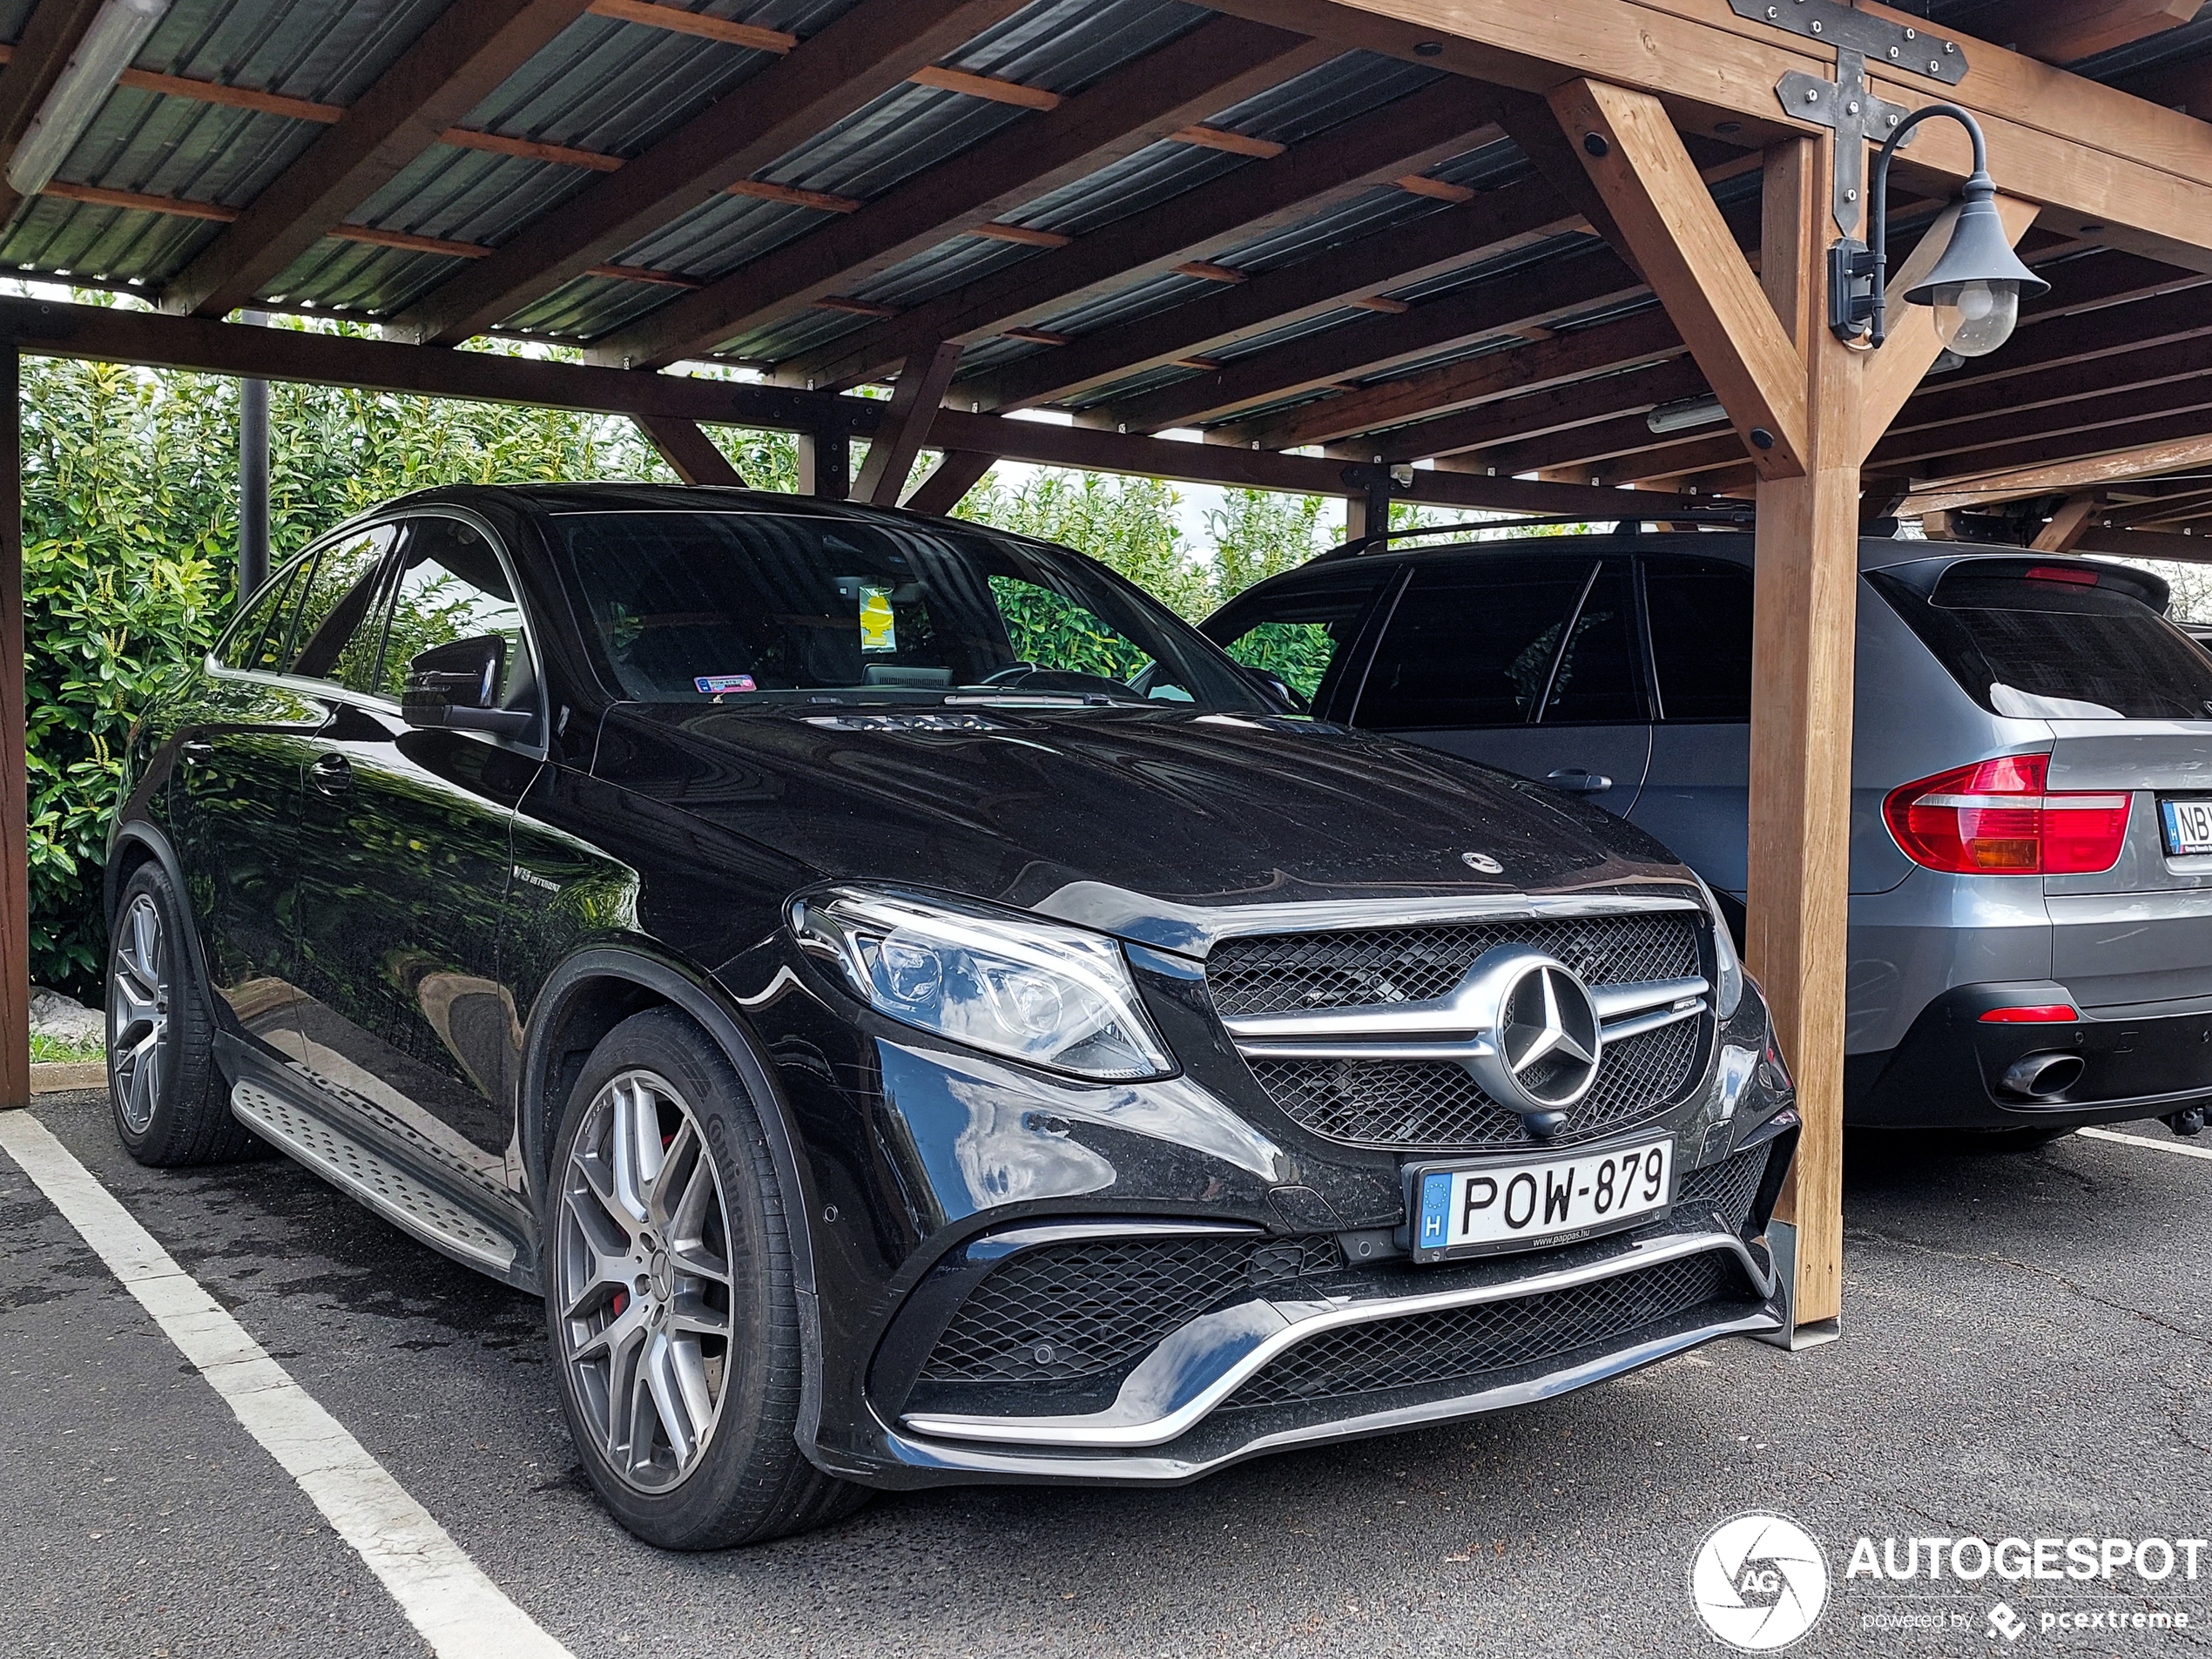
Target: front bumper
(1354, 1351)
(1948, 1072)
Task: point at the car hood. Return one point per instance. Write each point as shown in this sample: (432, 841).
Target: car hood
(1087, 811)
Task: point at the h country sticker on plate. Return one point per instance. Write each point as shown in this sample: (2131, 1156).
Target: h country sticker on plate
(1481, 1209)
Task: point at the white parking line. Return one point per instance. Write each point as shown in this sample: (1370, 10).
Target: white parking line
(460, 1612)
(2145, 1140)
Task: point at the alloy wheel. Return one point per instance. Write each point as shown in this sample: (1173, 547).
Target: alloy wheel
(642, 1261)
(138, 1012)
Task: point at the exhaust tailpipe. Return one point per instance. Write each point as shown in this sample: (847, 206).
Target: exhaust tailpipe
(2043, 1077)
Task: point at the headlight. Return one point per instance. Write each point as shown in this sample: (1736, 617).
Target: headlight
(1052, 995)
(1728, 965)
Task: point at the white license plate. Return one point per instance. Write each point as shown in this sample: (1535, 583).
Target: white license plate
(2188, 826)
(1477, 1210)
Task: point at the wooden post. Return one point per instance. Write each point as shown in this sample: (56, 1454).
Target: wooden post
(15, 791)
(826, 464)
(1809, 409)
(1804, 625)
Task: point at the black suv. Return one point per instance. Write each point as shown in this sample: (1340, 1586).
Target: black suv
(916, 1011)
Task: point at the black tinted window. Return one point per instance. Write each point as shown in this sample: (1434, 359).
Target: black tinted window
(1599, 678)
(1471, 644)
(2056, 642)
(1701, 638)
(750, 609)
(256, 640)
(334, 637)
(1300, 633)
(452, 586)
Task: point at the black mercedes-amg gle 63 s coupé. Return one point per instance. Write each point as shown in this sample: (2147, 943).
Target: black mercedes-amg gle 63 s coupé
(915, 1010)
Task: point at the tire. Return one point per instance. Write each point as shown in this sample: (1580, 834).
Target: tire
(167, 1093)
(710, 1458)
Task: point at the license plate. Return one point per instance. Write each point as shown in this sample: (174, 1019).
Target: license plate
(2189, 825)
(1478, 1210)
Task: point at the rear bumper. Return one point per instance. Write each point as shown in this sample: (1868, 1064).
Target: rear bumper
(1948, 1071)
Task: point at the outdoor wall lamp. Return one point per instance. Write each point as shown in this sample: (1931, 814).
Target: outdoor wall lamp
(1975, 287)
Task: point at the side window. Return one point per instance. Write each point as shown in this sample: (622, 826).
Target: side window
(1701, 638)
(1471, 643)
(256, 640)
(335, 636)
(1599, 679)
(451, 586)
(1300, 633)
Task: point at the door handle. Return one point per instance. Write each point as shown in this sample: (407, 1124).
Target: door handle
(1579, 780)
(195, 750)
(332, 774)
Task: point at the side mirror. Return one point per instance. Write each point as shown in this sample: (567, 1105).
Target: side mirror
(1278, 687)
(456, 686)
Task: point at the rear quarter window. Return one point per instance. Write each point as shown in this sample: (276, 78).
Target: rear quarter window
(2049, 641)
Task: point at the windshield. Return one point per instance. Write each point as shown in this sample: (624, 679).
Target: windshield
(765, 609)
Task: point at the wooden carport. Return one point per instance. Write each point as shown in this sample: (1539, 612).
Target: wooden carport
(1458, 251)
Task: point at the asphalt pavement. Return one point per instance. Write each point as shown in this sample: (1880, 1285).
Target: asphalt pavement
(2026, 1353)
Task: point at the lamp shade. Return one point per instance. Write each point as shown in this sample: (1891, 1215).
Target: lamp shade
(1977, 283)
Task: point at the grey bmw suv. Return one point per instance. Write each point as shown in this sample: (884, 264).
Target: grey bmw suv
(2031, 851)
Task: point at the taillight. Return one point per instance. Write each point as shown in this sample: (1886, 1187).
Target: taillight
(1997, 818)
(2033, 1014)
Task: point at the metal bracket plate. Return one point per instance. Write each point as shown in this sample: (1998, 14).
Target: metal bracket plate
(1857, 117)
(1894, 44)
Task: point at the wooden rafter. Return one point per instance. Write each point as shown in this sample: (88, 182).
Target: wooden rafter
(1214, 67)
(1421, 130)
(452, 67)
(2066, 31)
(2145, 459)
(862, 54)
(2067, 526)
(1345, 276)
(35, 64)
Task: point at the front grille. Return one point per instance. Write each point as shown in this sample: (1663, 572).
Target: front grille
(1280, 972)
(1726, 1188)
(1461, 1344)
(1437, 1105)
(1067, 1310)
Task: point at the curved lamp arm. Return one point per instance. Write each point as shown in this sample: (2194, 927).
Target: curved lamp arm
(1879, 232)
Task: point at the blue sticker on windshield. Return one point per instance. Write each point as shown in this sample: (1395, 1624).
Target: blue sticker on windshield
(715, 685)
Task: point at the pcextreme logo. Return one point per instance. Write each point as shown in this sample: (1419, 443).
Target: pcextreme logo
(1759, 1582)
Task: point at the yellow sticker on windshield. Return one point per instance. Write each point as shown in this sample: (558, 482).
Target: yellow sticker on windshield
(879, 627)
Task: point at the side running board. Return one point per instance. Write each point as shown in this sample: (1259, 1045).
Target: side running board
(409, 1204)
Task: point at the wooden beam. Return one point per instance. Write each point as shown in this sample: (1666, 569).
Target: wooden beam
(35, 62)
(1529, 122)
(1500, 222)
(751, 37)
(1576, 409)
(2146, 545)
(2067, 526)
(455, 64)
(1981, 489)
(2066, 31)
(2077, 424)
(15, 790)
(2087, 150)
(1214, 67)
(1675, 230)
(958, 472)
(692, 455)
(104, 334)
(898, 441)
(1374, 345)
(1419, 130)
(862, 54)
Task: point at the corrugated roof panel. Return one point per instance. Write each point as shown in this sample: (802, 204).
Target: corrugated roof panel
(57, 236)
(361, 277)
(1064, 45)
(620, 87)
(720, 234)
(590, 307)
(469, 195)
(307, 49)
(1357, 83)
(172, 146)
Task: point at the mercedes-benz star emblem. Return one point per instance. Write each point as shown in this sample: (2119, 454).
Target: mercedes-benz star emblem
(1483, 862)
(1544, 1039)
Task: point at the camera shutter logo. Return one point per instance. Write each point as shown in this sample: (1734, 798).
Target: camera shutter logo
(1759, 1582)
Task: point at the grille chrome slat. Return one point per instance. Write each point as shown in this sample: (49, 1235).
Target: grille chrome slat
(1361, 1036)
